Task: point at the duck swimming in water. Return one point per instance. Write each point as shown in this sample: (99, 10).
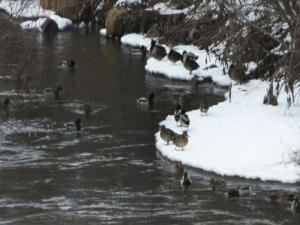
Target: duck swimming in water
(76, 125)
(69, 64)
(185, 181)
(217, 185)
(144, 102)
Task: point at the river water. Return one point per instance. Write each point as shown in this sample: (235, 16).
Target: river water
(110, 172)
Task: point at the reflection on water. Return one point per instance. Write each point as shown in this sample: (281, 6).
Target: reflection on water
(109, 172)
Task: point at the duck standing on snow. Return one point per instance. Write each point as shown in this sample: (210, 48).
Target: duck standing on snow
(69, 64)
(184, 119)
(76, 125)
(217, 185)
(174, 56)
(157, 51)
(204, 107)
(166, 134)
(144, 102)
(185, 181)
(181, 140)
(177, 113)
(189, 63)
(142, 50)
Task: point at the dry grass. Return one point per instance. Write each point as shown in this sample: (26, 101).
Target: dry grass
(114, 20)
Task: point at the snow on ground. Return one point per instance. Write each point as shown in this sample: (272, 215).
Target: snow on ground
(33, 9)
(177, 71)
(62, 23)
(128, 2)
(243, 138)
(21, 8)
(165, 8)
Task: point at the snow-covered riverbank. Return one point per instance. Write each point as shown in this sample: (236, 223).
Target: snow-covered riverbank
(31, 9)
(242, 137)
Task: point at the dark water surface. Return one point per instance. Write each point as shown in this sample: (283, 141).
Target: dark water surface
(110, 173)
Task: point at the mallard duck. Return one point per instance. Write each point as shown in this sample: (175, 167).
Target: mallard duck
(142, 50)
(56, 92)
(181, 140)
(204, 107)
(76, 125)
(6, 103)
(179, 169)
(157, 51)
(177, 112)
(283, 197)
(185, 181)
(217, 185)
(144, 102)
(236, 72)
(189, 63)
(166, 134)
(295, 205)
(69, 64)
(174, 56)
(184, 119)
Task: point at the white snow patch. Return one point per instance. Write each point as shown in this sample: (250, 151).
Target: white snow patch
(167, 9)
(128, 2)
(21, 8)
(102, 32)
(33, 9)
(242, 137)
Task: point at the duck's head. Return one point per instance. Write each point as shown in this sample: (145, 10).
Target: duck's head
(183, 112)
(178, 107)
(72, 63)
(58, 88)
(153, 43)
(143, 48)
(162, 127)
(151, 96)
(185, 133)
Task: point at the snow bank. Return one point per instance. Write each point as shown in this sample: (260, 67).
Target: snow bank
(243, 138)
(33, 9)
(62, 23)
(168, 9)
(21, 8)
(210, 66)
(128, 2)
